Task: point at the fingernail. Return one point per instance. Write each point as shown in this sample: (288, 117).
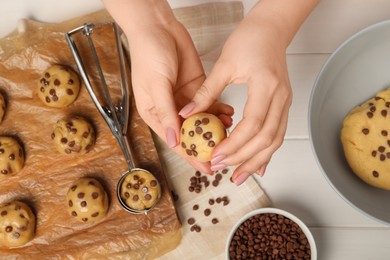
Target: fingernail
(171, 137)
(217, 159)
(218, 167)
(187, 109)
(261, 171)
(241, 178)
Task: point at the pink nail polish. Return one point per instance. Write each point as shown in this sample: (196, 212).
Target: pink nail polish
(218, 167)
(217, 159)
(241, 178)
(171, 137)
(187, 109)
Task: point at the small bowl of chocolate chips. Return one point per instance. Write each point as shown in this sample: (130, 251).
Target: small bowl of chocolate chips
(270, 233)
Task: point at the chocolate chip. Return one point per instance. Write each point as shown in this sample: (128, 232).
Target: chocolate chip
(205, 121)
(47, 99)
(70, 82)
(1, 151)
(85, 134)
(214, 221)
(73, 130)
(84, 219)
(211, 201)
(207, 212)
(153, 183)
(218, 177)
(375, 174)
(191, 221)
(52, 92)
(191, 189)
(74, 213)
(71, 143)
(215, 183)
(191, 133)
(21, 215)
(388, 155)
(198, 130)
(18, 207)
(94, 215)
(64, 140)
(127, 195)
(4, 213)
(54, 98)
(135, 198)
(80, 195)
(4, 171)
(183, 131)
(373, 153)
(183, 145)
(207, 135)
(42, 89)
(148, 197)
(381, 149)
(373, 109)
(218, 200)
(83, 203)
(197, 122)
(74, 187)
(128, 185)
(57, 82)
(11, 157)
(193, 146)
(211, 143)
(95, 195)
(365, 131)
(189, 152)
(8, 229)
(53, 135)
(136, 186)
(382, 157)
(370, 115)
(387, 104)
(384, 113)
(47, 75)
(384, 132)
(70, 203)
(195, 207)
(194, 153)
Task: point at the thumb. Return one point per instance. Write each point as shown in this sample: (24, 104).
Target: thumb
(208, 93)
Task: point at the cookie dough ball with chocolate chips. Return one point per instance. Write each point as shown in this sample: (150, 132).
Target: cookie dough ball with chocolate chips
(58, 86)
(87, 200)
(140, 190)
(200, 133)
(17, 224)
(365, 137)
(2, 107)
(11, 156)
(73, 136)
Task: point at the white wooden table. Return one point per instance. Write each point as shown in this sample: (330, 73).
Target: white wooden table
(293, 180)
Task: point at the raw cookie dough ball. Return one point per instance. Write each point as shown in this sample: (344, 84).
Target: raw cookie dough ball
(86, 200)
(365, 136)
(140, 190)
(2, 107)
(73, 136)
(58, 86)
(17, 224)
(200, 133)
(11, 156)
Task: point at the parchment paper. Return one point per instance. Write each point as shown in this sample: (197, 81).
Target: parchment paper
(47, 175)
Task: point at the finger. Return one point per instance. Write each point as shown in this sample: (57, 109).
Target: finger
(266, 136)
(209, 92)
(164, 105)
(255, 111)
(221, 108)
(242, 172)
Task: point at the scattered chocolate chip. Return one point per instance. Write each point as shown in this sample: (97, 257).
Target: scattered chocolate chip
(211, 201)
(215, 183)
(70, 203)
(94, 215)
(69, 92)
(84, 219)
(373, 109)
(191, 133)
(384, 113)
(64, 140)
(74, 187)
(83, 203)
(52, 92)
(207, 135)
(197, 122)
(11, 157)
(193, 146)
(218, 177)
(205, 121)
(191, 221)
(53, 135)
(1, 151)
(370, 115)
(214, 221)
(198, 130)
(80, 195)
(54, 98)
(211, 143)
(375, 174)
(47, 75)
(207, 212)
(148, 197)
(127, 195)
(382, 157)
(195, 207)
(381, 149)
(71, 143)
(183, 131)
(74, 213)
(183, 145)
(384, 132)
(373, 153)
(47, 99)
(365, 131)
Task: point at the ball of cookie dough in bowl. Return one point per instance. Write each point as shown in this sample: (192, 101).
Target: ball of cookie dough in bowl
(17, 224)
(11, 156)
(86, 200)
(58, 86)
(139, 190)
(199, 134)
(73, 135)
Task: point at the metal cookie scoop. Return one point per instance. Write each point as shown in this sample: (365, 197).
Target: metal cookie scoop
(117, 123)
